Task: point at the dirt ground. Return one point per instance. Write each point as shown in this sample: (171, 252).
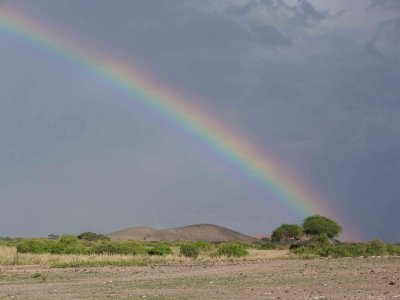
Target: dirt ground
(347, 278)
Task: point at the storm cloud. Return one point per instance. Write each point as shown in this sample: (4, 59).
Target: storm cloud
(314, 82)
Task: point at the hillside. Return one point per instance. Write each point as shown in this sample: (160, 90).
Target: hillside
(198, 232)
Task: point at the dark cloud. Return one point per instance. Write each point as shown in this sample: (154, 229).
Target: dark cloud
(310, 91)
(306, 12)
(270, 36)
(385, 4)
(242, 10)
(386, 39)
(301, 13)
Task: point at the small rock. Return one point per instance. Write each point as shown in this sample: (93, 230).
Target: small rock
(391, 282)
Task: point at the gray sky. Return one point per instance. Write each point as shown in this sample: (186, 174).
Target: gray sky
(315, 82)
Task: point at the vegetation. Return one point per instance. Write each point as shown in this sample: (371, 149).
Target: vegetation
(320, 225)
(287, 232)
(190, 250)
(7, 241)
(91, 236)
(230, 249)
(67, 244)
(159, 250)
(34, 246)
(371, 248)
(313, 238)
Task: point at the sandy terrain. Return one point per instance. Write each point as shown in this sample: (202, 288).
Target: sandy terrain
(348, 278)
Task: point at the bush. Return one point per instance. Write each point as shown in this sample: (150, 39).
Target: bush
(67, 244)
(372, 248)
(232, 249)
(344, 250)
(130, 247)
(105, 248)
(8, 242)
(159, 250)
(375, 247)
(33, 246)
(393, 249)
(92, 237)
(190, 250)
(203, 245)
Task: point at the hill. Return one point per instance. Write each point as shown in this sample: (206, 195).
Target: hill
(197, 232)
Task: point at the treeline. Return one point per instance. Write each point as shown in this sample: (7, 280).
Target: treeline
(316, 236)
(326, 249)
(92, 243)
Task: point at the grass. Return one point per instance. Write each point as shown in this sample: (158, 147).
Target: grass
(68, 251)
(9, 256)
(131, 253)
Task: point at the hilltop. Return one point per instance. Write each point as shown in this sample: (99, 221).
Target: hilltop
(197, 232)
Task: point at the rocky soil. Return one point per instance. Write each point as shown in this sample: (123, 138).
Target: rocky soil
(347, 278)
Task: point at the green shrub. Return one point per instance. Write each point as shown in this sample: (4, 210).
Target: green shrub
(371, 248)
(339, 251)
(159, 250)
(375, 247)
(203, 245)
(8, 242)
(190, 250)
(105, 248)
(232, 249)
(130, 247)
(67, 244)
(37, 246)
(393, 249)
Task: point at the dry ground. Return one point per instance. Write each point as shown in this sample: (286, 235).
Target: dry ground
(347, 278)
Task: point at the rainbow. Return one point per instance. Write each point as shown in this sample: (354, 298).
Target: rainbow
(255, 164)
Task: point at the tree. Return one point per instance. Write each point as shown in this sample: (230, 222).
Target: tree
(53, 236)
(320, 225)
(287, 232)
(92, 237)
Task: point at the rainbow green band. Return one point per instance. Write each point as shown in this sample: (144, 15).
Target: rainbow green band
(253, 162)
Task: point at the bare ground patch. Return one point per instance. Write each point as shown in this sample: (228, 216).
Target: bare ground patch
(350, 278)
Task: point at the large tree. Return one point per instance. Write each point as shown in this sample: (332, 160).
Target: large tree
(287, 232)
(320, 225)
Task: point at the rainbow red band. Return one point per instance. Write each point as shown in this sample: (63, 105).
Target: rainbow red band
(257, 164)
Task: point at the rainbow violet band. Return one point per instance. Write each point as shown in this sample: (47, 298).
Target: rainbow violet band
(254, 163)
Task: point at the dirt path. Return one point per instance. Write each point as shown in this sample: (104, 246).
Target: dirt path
(350, 278)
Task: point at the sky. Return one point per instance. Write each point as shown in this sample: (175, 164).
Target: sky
(315, 83)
